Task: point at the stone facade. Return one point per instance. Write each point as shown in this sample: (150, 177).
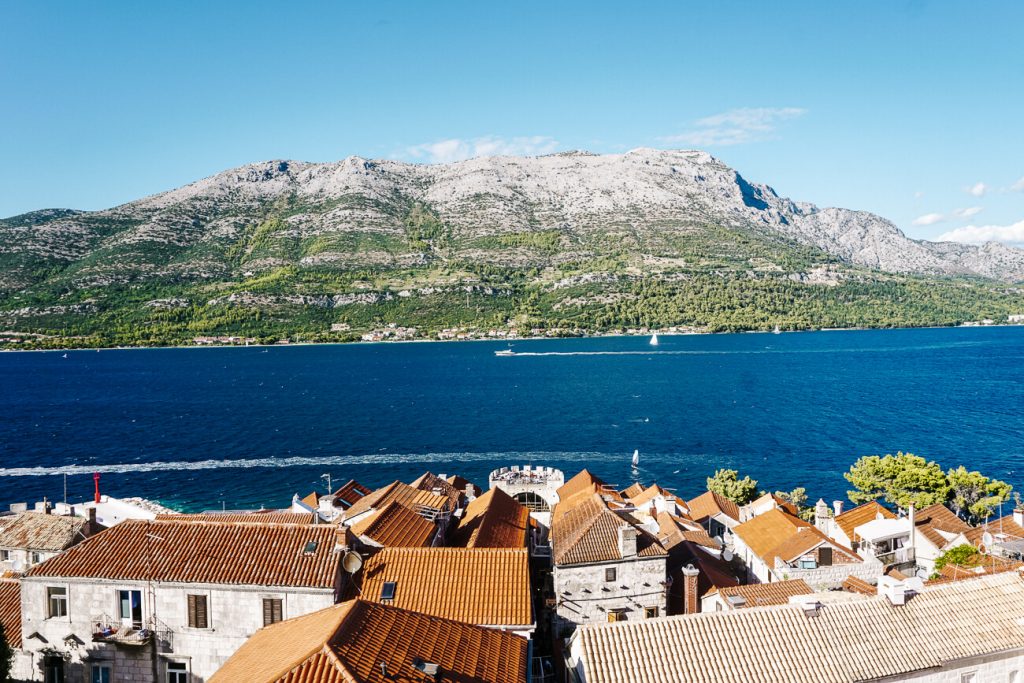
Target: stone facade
(233, 614)
(585, 596)
(1005, 667)
(832, 577)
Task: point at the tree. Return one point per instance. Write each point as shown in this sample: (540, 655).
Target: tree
(963, 555)
(6, 657)
(903, 479)
(728, 484)
(798, 497)
(974, 496)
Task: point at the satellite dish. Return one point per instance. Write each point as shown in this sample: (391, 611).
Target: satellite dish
(727, 556)
(718, 540)
(352, 562)
(986, 539)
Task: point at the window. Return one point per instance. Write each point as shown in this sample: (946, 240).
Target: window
(616, 615)
(825, 556)
(53, 669)
(969, 677)
(808, 563)
(650, 612)
(609, 574)
(101, 673)
(129, 608)
(5, 555)
(197, 612)
(1014, 677)
(35, 558)
(272, 612)
(56, 601)
(177, 672)
(387, 591)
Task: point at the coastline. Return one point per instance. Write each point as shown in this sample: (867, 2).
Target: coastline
(594, 335)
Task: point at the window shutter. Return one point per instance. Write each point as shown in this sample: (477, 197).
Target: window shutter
(272, 611)
(197, 612)
(825, 556)
(191, 611)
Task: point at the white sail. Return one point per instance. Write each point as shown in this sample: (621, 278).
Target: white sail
(654, 339)
(636, 458)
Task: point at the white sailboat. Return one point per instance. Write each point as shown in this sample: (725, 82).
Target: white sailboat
(654, 339)
(776, 330)
(636, 459)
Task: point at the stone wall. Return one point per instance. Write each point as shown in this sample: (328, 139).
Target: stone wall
(234, 614)
(827, 578)
(998, 668)
(584, 597)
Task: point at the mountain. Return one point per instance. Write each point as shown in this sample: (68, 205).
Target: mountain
(574, 241)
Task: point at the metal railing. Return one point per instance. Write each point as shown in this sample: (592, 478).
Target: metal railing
(108, 630)
(898, 556)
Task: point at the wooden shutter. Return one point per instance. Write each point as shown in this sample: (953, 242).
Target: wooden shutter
(197, 612)
(825, 556)
(272, 612)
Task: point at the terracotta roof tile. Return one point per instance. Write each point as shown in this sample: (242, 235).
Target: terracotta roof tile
(763, 594)
(428, 481)
(461, 483)
(633, 490)
(862, 514)
(714, 573)
(856, 640)
(349, 493)
(408, 496)
(990, 565)
(494, 520)
(40, 531)
(348, 642)
(396, 526)
(854, 584)
(10, 611)
(256, 517)
(710, 504)
(203, 552)
(935, 520)
(486, 586)
(777, 534)
(589, 532)
(1005, 525)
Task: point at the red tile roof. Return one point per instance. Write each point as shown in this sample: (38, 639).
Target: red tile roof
(396, 526)
(40, 531)
(862, 514)
(710, 504)
(585, 530)
(494, 520)
(349, 493)
(10, 611)
(428, 481)
(409, 496)
(347, 643)
(777, 534)
(486, 586)
(256, 517)
(762, 594)
(203, 552)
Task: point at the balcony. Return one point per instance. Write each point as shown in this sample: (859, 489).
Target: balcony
(107, 630)
(897, 557)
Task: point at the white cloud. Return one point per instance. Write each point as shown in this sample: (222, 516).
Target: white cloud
(929, 219)
(969, 212)
(977, 189)
(457, 149)
(978, 234)
(735, 127)
(1018, 186)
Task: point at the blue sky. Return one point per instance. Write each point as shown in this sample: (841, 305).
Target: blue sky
(912, 110)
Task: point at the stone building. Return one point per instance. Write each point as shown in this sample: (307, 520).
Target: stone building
(170, 600)
(29, 538)
(606, 567)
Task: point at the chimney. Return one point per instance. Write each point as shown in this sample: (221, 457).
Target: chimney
(470, 492)
(93, 526)
(808, 603)
(691, 601)
(96, 480)
(821, 515)
(1018, 516)
(912, 514)
(627, 541)
(893, 589)
(837, 505)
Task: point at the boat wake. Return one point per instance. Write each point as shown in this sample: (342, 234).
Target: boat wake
(298, 461)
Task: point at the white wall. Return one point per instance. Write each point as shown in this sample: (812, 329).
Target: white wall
(991, 669)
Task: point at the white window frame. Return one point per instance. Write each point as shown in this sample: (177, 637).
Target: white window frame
(5, 555)
(177, 675)
(50, 602)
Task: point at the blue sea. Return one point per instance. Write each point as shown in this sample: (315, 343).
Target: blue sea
(242, 427)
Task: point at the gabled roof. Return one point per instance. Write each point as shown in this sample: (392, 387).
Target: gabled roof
(403, 493)
(777, 534)
(40, 531)
(990, 565)
(203, 552)
(633, 490)
(649, 494)
(709, 504)
(487, 586)
(494, 520)
(10, 611)
(587, 531)
(348, 642)
(1005, 525)
(855, 584)
(583, 480)
(855, 640)
(349, 493)
(763, 594)
(395, 525)
(937, 519)
(461, 483)
(428, 481)
(312, 500)
(714, 573)
(255, 517)
(862, 514)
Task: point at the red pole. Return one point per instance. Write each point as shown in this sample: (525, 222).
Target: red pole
(96, 478)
